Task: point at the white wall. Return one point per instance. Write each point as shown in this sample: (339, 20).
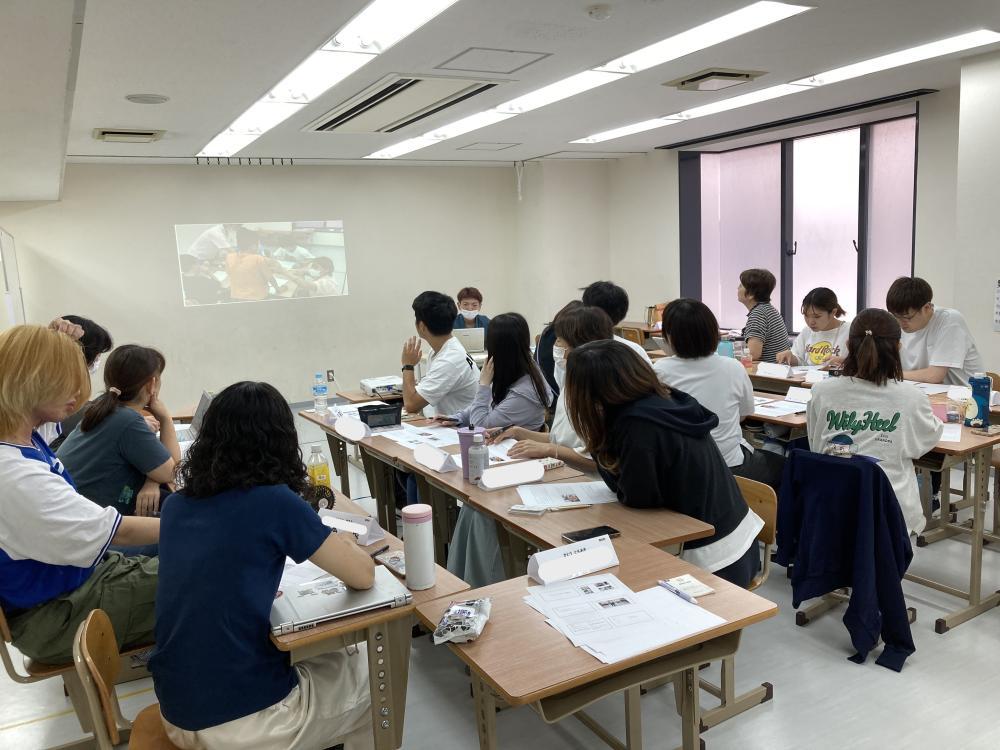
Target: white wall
(107, 251)
(977, 260)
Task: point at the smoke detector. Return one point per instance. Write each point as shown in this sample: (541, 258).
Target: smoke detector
(127, 135)
(600, 12)
(714, 79)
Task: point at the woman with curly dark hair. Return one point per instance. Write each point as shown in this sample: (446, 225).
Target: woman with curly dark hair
(224, 540)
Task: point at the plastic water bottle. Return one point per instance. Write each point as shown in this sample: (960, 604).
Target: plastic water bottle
(318, 468)
(979, 407)
(479, 458)
(319, 393)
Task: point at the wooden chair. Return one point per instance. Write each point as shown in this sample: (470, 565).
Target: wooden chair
(764, 502)
(635, 335)
(98, 663)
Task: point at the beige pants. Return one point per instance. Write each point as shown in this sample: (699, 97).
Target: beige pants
(331, 705)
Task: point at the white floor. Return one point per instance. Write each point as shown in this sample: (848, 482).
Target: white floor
(945, 697)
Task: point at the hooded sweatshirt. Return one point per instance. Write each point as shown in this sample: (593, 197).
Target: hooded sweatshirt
(668, 459)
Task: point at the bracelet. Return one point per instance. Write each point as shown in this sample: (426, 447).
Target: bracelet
(407, 367)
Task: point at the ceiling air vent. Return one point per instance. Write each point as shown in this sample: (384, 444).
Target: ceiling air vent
(397, 101)
(126, 135)
(714, 79)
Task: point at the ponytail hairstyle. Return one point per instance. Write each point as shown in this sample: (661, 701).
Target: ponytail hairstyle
(126, 371)
(824, 300)
(873, 348)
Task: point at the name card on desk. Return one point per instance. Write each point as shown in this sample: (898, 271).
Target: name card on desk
(511, 475)
(352, 429)
(816, 376)
(365, 528)
(798, 395)
(434, 459)
(773, 370)
(572, 560)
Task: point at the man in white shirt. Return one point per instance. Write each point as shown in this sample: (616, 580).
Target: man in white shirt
(614, 301)
(215, 242)
(452, 378)
(937, 346)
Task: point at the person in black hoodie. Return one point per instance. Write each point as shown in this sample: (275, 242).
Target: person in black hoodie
(654, 448)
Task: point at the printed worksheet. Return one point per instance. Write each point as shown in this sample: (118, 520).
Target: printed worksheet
(560, 493)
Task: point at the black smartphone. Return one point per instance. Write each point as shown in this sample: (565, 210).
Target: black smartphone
(580, 535)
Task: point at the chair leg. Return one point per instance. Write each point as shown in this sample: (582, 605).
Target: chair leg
(78, 697)
(731, 704)
(826, 602)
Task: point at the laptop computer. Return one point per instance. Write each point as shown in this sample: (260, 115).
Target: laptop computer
(189, 433)
(473, 339)
(302, 605)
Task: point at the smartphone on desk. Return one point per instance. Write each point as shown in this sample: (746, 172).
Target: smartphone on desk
(580, 535)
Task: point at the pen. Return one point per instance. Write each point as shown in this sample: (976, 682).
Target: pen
(379, 551)
(674, 590)
(568, 506)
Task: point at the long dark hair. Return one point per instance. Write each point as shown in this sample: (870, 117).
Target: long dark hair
(873, 347)
(508, 342)
(601, 376)
(128, 369)
(247, 439)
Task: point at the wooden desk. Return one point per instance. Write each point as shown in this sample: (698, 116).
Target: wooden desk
(792, 421)
(185, 415)
(646, 330)
(388, 633)
(774, 385)
(525, 661)
(358, 397)
(337, 444)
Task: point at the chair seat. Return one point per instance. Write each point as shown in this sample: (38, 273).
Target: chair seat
(995, 462)
(148, 732)
(41, 671)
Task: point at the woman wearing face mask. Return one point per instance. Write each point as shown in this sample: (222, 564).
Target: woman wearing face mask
(574, 327)
(114, 457)
(318, 279)
(470, 305)
(824, 342)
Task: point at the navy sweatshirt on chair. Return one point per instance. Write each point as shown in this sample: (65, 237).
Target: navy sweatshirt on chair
(840, 524)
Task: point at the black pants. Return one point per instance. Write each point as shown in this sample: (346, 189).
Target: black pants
(743, 570)
(761, 466)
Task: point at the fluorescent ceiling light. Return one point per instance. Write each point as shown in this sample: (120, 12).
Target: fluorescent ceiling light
(903, 57)
(403, 147)
(713, 32)
(467, 124)
(381, 24)
(754, 97)
(638, 127)
(384, 22)
(554, 92)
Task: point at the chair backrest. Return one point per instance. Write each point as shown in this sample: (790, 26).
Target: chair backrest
(631, 334)
(762, 500)
(995, 379)
(96, 651)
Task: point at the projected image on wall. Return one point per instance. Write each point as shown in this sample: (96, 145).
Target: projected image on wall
(223, 263)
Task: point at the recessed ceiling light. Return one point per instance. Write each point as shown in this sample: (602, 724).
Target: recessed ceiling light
(381, 24)
(638, 127)
(147, 98)
(554, 92)
(403, 147)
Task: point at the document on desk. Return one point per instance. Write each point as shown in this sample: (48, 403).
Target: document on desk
(498, 453)
(295, 574)
(611, 622)
(931, 389)
(560, 493)
(758, 400)
(780, 409)
(952, 434)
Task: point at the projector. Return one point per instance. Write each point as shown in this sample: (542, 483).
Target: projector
(390, 385)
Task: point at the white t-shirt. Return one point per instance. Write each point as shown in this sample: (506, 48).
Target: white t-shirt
(893, 423)
(451, 380)
(722, 386)
(214, 242)
(816, 347)
(635, 347)
(944, 342)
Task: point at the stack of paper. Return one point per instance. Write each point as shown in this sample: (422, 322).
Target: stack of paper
(931, 389)
(547, 495)
(410, 436)
(611, 622)
(780, 409)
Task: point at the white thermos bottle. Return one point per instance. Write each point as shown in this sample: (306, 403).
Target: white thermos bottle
(418, 546)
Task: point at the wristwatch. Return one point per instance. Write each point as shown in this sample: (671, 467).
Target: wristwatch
(407, 367)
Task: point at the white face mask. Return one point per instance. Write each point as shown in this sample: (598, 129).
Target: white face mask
(559, 372)
(314, 273)
(469, 314)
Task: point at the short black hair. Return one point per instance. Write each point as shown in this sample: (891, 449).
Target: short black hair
(188, 261)
(907, 294)
(759, 283)
(609, 297)
(95, 340)
(436, 311)
(692, 328)
(326, 262)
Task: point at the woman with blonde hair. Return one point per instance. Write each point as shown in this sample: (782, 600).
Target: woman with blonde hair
(54, 561)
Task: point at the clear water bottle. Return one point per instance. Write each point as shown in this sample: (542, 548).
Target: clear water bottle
(479, 458)
(318, 468)
(319, 393)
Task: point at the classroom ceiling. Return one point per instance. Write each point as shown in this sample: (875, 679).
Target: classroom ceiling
(214, 59)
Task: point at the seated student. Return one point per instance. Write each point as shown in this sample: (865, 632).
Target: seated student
(653, 446)
(614, 301)
(470, 306)
(869, 410)
(54, 561)
(765, 332)
(452, 379)
(937, 344)
(824, 342)
(545, 345)
(114, 457)
(720, 384)
(95, 341)
(575, 325)
(200, 287)
(319, 280)
(251, 275)
(511, 392)
(220, 681)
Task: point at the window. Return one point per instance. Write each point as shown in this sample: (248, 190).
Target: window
(833, 210)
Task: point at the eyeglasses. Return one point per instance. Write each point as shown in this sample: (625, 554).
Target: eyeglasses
(911, 316)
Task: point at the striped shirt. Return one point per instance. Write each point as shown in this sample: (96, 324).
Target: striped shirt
(764, 322)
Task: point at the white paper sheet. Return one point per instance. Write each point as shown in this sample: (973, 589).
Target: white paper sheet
(798, 395)
(780, 409)
(758, 400)
(931, 389)
(952, 434)
(559, 493)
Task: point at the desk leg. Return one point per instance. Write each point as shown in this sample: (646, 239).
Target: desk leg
(690, 709)
(513, 552)
(439, 503)
(381, 477)
(486, 713)
(338, 454)
(633, 718)
(388, 671)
